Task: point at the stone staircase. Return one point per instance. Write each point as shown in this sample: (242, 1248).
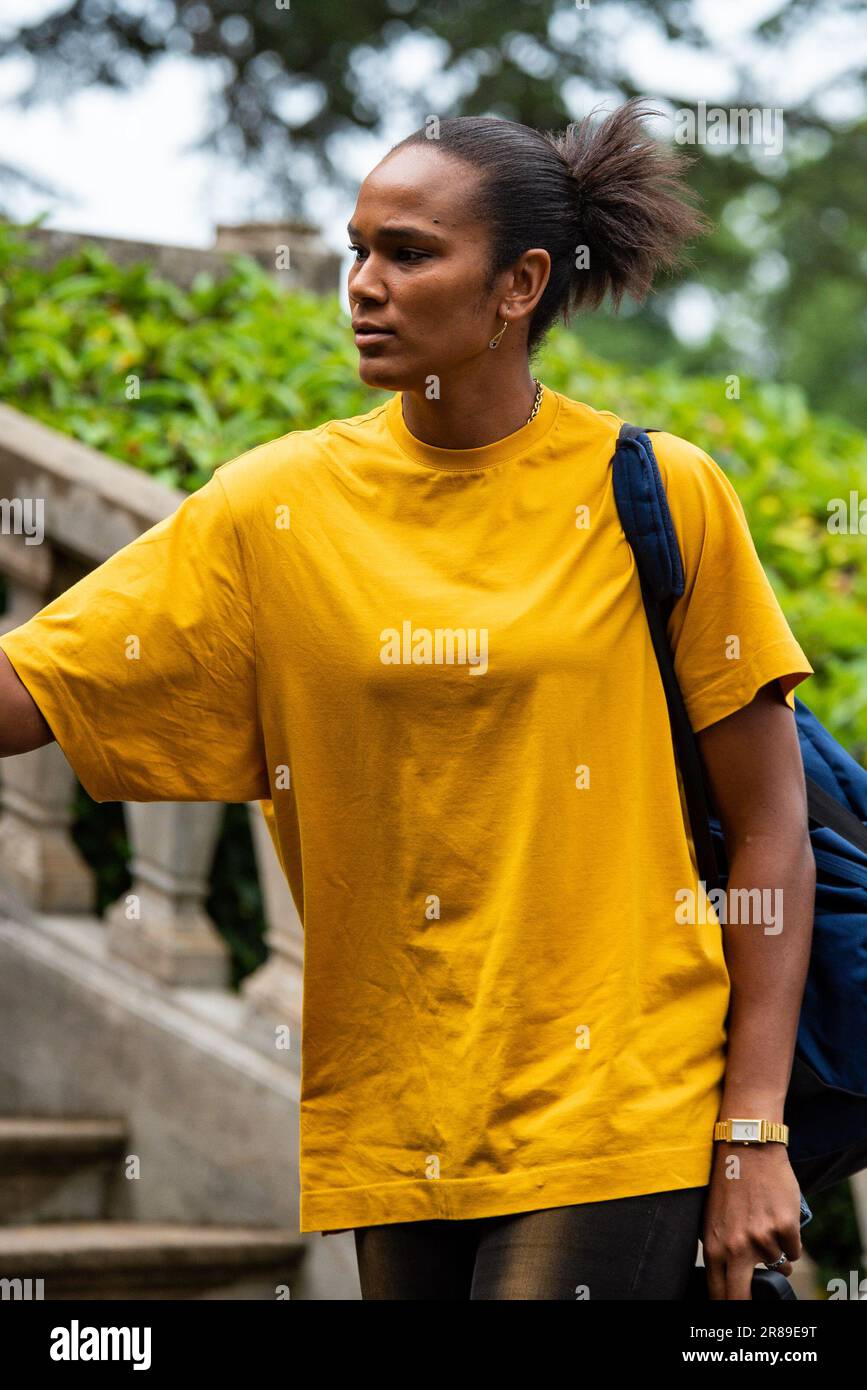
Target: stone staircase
(62, 1199)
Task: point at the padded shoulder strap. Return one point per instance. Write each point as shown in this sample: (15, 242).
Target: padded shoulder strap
(644, 513)
(647, 523)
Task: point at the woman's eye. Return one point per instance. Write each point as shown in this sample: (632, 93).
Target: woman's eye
(402, 251)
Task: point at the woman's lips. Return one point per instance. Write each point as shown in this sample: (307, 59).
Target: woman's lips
(363, 339)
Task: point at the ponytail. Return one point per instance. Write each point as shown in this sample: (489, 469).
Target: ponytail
(632, 208)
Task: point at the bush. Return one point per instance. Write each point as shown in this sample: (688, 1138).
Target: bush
(177, 382)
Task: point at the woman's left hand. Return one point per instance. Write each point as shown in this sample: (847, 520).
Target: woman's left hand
(751, 1218)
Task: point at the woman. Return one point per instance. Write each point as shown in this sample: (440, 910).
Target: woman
(417, 637)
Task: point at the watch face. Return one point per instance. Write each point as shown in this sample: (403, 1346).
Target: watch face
(745, 1129)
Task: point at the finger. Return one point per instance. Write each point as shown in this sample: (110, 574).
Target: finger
(716, 1276)
(784, 1240)
(789, 1235)
(739, 1276)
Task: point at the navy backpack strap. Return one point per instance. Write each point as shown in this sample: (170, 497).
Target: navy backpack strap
(646, 520)
(825, 810)
(644, 513)
(648, 526)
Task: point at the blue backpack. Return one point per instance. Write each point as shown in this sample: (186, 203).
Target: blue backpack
(826, 1103)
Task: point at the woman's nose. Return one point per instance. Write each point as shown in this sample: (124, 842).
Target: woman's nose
(366, 283)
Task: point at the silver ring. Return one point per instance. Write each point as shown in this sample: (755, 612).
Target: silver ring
(781, 1261)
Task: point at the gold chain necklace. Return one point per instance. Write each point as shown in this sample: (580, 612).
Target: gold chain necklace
(537, 402)
(533, 413)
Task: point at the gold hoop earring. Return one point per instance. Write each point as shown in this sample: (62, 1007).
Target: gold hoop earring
(495, 342)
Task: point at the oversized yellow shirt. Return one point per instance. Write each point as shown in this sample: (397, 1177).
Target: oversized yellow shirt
(444, 654)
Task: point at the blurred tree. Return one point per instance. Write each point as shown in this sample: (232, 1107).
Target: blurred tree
(784, 273)
(15, 180)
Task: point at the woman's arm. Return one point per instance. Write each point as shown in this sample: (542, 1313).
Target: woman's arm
(22, 725)
(755, 769)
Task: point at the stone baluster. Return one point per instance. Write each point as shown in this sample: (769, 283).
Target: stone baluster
(160, 924)
(41, 868)
(274, 991)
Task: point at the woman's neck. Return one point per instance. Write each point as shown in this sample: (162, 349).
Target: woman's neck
(468, 415)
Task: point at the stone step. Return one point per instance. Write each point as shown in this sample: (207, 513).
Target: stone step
(164, 1260)
(55, 1168)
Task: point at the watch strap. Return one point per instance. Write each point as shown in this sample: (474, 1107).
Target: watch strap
(770, 1131)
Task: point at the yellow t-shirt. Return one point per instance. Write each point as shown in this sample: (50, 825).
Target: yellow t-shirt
(444, 654)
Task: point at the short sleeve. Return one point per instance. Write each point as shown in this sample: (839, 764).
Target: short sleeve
(728, 632)
(145, 669)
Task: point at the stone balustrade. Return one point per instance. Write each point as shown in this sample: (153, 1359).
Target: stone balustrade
(290, 251)
(93, 505)
(129, 1018)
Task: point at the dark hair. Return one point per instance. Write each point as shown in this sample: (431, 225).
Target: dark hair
(610, 187)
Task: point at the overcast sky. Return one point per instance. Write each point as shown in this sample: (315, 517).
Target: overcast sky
(121, 166)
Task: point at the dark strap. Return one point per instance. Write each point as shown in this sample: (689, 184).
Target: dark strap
(695, 785)
(823, 808)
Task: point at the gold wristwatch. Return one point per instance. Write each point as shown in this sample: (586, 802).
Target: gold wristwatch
(751, 1131)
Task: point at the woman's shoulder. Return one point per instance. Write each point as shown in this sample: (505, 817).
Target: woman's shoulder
(692, 478)
(691, 472)
(289, 458)
(679, 458)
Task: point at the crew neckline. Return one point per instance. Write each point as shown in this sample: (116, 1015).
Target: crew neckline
(486, 455)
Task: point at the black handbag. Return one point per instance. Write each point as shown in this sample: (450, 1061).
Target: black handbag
(768, 1286)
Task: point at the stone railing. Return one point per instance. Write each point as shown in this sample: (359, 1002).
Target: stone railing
(93, 505)
(291, 251)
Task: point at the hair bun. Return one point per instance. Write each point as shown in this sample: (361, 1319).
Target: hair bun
(632, 206)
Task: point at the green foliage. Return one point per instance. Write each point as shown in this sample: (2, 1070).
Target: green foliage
(172, 381)
(785, 269)
(232, 363)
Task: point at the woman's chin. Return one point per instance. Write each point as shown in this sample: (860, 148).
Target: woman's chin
(381, 375)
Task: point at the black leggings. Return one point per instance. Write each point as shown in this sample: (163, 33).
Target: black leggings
(628, 1247)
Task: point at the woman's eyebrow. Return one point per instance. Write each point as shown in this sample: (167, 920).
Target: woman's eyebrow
(396, 232)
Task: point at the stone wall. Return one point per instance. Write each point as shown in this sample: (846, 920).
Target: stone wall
(292, 251)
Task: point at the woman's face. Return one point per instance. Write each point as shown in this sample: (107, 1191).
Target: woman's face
(420, 270)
